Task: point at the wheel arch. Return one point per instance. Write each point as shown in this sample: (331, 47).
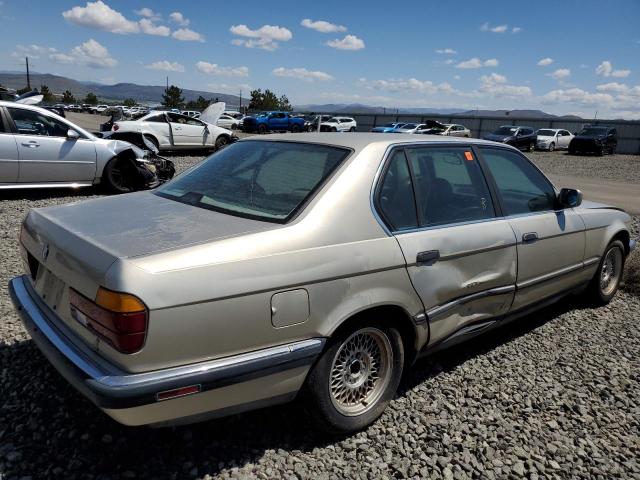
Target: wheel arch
(624, 236)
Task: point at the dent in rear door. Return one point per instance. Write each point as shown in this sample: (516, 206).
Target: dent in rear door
(461, 259)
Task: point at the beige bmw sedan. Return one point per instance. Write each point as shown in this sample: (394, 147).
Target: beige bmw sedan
(318, 265)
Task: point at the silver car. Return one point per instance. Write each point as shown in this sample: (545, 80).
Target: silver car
(317, 264)
(39, 149)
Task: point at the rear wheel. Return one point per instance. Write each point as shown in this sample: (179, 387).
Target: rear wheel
(355, 378)
(262, 129)
(352, 129)
(606, 280)
(334, 129)
(295, 128)
(153, 140)
(530, 147)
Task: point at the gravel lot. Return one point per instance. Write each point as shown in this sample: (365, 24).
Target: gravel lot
(556, 394)
(619, 168)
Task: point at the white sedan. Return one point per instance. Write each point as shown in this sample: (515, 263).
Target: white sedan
(227, 121)
(173, 131)
(339, 124)
(553, 138)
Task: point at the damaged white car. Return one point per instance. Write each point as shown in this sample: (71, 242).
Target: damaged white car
(39, 149)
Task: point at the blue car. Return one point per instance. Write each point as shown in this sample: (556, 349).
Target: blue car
(388, 128)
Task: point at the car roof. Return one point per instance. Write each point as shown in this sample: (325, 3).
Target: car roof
(359, 141)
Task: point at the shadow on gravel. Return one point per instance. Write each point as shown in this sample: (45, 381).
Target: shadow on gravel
(47, 430)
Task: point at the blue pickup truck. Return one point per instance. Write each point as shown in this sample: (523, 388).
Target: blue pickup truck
(273, 121)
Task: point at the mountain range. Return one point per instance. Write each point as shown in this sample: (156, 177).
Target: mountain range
(153, 94)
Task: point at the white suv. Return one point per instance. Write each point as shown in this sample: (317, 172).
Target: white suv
(339, 124)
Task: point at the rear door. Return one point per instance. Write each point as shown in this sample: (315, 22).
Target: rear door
(461, 256)
(550, 242)
(563, 139)
(9, 160)
(46, 154)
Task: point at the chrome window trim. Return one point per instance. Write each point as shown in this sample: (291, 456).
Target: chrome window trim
(556, 273)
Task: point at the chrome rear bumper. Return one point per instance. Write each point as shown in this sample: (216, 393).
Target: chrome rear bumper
(114, 390)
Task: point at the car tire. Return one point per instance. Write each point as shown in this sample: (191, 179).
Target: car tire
(119, 176)
(352, 129)
(262, 129)
(222, 141)
(530, 147)
(552, 147)
(153, 140)
(342, 394)
(334, 129)
(295, 128)
(608, 276)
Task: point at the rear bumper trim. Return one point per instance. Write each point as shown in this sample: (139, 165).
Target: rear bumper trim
(115, 389)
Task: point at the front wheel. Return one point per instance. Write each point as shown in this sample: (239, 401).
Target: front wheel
(355, 378)
(552, 147)
(221, 142)
(352, 129)
(295, 128)
(262, 129)
(120, 176)
(606, 280)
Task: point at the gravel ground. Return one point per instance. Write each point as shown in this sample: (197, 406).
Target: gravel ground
(619, 168)
(556, 394)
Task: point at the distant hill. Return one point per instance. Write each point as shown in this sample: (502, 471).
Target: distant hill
(119, 91)
(360, 108)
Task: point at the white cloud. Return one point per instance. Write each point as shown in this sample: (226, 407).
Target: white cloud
(349, 42)
(449, 61)
(266, 37)
(215, 69)
(543, 62)
(101, 16)
(165, 65)
(457, 77)
(577, 96)
(148, 13)
(322, 26)
(614, 87)
(178, 18)
(404, 85)
(446, 51)
(477, 63)
(90, 53)
(605, 69)
(485, 27)
(148, 27)
(302, 74)
(32, 51)
(226, 88)
(496, 86)
(516, 30)
(187, 35)
(560, 74)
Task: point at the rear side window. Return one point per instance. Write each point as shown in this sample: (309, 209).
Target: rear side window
(522, 187)
(257, 179)
(156, 119)
(395, 196)
(450, 186)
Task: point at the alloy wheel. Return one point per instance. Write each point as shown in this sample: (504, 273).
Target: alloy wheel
(611, 271)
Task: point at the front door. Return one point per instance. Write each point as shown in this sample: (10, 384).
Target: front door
(550, 242)
(461, 257)
(9, 160)
(46, 155)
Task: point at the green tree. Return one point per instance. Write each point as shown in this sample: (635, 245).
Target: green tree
(172, 97)
(129, 102)
(268, 100)
(91, 99)
(47, 96)
(23, 90)
(199, 104)
(67, 97)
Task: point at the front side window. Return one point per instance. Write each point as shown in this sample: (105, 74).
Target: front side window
(156, 118)
(395, 195)
(522, 187)
(30, 122)
(257, 179)
(450, 186)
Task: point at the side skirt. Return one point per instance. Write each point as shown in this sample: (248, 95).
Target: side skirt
(475, 329)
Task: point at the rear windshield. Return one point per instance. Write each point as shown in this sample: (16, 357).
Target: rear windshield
(409, 126)
(593, 131)
(505, 131)
(257, 179)
(546, 133)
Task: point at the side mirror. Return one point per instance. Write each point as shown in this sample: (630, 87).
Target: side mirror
(569, 198)
(72, 134)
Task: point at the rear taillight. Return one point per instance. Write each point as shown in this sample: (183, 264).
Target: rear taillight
(118, 318)
(115, 127)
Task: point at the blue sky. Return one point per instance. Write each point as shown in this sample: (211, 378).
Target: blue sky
(560, 56)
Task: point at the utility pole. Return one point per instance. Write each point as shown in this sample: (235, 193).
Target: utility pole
(28, 78)
(167, 82)
(240, 109)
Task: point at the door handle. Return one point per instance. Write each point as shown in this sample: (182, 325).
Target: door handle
(427, 258)
(31, 144)
(529, 237)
